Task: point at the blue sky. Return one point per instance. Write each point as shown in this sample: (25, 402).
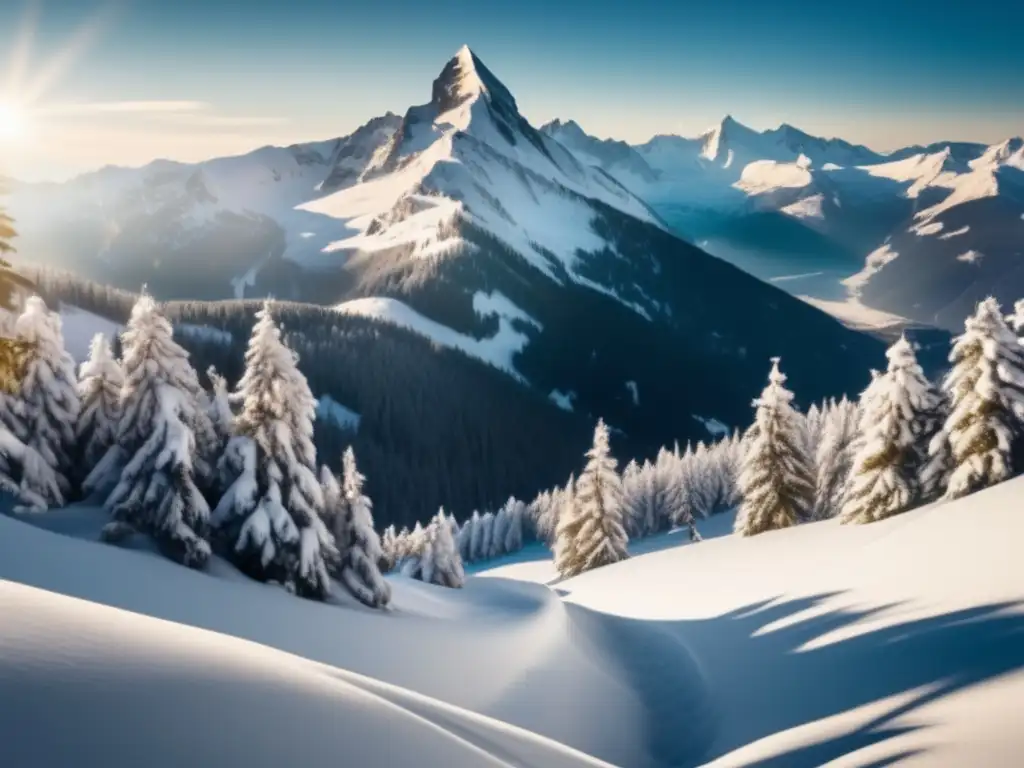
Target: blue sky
(125, 81)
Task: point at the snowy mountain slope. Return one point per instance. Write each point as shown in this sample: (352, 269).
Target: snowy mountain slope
(616, 157)
(497, 350)
(782, 203)
(887, 654)
(179, 695)
(505, 650)
(963, 243)
(160, 224)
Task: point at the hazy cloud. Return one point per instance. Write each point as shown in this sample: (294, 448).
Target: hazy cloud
(134, 107)
(193, 114)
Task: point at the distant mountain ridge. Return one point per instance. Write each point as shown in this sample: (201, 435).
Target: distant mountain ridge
(923, 232)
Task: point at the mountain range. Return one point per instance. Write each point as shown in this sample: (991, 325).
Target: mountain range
(462, 222)
(924, 232)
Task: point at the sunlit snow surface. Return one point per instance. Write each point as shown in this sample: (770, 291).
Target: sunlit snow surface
(868, 645)
(899, 640)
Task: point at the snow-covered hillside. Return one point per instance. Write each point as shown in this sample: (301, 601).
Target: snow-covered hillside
(508, 651)
(868, 645)
(891, 642)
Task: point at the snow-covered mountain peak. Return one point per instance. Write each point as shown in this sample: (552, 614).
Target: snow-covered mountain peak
(1006, 153)
(565, 129)
(464, 78)
(716, 140)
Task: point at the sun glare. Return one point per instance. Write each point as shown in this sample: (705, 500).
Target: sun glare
(12, 122)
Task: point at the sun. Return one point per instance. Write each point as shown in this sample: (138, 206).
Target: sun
(12, 122)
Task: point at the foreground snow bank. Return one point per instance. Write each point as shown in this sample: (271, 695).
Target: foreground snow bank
(900, 640)
(506, 650)
(175, 695)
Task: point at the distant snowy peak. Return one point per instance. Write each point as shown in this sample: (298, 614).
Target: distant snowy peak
(1009, 153)
(616, 157)
(465, 77)
(355, 153)
(728, 135)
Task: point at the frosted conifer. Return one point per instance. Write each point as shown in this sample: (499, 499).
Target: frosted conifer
(271, 512)
(99, 389)
(834, 456)
(359, 544)
(937, 464)
(464, 541)
(156, 491)
(894, 416)
(1016, 320)
(515, 512)
(777, 481)
(569, 523)
(48, 400)
(813, 423)
(486, 536)
(633, 499)
(985, 387)
(600, 537)
(218, 409)
(388, 541)
(499, 529)
(437, 560)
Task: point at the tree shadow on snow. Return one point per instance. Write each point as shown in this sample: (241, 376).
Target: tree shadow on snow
(751, 681)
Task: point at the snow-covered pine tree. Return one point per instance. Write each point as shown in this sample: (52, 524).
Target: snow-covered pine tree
(499, 529)
(569, 523)
(777, 480)
(334, 512)
(937, 464)
(1016, 320)
(437, 560)
(669, 493)
(632, 499)
(515, 512)
(704, 481)
(540, 516)
(388, 540)
(732, 450)
(12, 435)
(218, 409)
(601, 536)
(486, 535)
(464, 541)
(408, 543)
(813, 423)
(271, 513)
(99, 389)
(156, 491)
(834, 457)
(358, 543)
(648, 489)
(48, 398)
(895, 412)
(477, 542)
(985, 387)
